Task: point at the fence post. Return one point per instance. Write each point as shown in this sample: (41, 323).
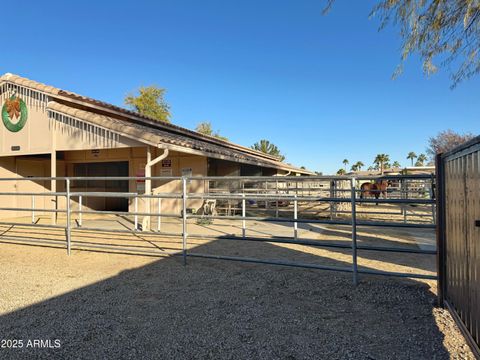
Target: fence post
(440, 228)
(159, 218)
(67, 229)
(184, 220)
(295, 217)
(136, 211)
(276, 204)
(432, 197)
(354, 232)
(244, 222)
(333, 205)
(33, 209)
(403, 194)
(80, 217)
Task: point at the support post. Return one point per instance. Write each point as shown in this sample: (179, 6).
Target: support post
(295, 217)
(67, 228)
(53, 184)
(136, 211)
(276, 203)
(148, 190)
(148, 184)
(184, 219)
(244, 223)
(354, 231)
(33, 209)
(80, 215)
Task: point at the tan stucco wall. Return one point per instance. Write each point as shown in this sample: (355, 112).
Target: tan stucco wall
(41, 134)
(15, 167)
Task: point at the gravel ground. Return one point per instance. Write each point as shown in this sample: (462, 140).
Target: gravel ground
(123, 306)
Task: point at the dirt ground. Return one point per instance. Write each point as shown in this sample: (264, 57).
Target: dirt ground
(117, 305)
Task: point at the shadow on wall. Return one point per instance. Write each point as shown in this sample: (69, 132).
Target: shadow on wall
(219, 309)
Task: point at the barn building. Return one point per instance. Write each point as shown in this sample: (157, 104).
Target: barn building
(49, 132)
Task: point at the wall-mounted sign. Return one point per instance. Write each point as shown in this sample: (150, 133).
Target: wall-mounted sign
(167, 163)
(14, 114)
(166, 172)
(15, 148)
(140, 173)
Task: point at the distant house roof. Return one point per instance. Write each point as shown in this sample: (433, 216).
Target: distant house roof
(375, 172)
(147, 130)
(394, 171)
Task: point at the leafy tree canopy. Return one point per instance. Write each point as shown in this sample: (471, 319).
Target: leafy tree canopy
(267, 147)
(150, 102)
(382, 160)
(445, 141)
(205, 128)
(444, 33)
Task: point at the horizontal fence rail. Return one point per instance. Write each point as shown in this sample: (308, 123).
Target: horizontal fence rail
(279, 199)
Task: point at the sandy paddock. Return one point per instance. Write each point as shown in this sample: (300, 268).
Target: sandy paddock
(112, 304)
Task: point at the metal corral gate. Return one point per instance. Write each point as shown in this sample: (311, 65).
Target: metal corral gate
(267, 192)
(458, 173)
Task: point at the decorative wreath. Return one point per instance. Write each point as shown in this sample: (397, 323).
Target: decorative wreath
(12, 109)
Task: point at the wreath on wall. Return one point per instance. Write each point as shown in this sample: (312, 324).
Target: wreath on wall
(14, 114)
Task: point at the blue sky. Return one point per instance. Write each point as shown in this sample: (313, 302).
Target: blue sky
(317, 86)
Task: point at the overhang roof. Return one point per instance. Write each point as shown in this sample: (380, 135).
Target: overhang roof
(147, 130)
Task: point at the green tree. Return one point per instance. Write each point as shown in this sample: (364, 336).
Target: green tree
(396, 164)
(267, 147)
(411, 156)
(445, 30)
(205, 128)
(345, 163)
(354, 167)
(370, 168)
(359, 165)
(445, 141)
(380, 160)
(341, 172)
(421, 159)
(150, 102)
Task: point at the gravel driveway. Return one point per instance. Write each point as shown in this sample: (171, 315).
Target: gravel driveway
(102, 305)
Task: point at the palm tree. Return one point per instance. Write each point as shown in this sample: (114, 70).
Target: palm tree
(411, 155)
(267, 147)
(354, 167)
(396, 164)
(421, 159)
(345, 163)
(359, 165)
(381, 159)
(341, 172)
(371, 168)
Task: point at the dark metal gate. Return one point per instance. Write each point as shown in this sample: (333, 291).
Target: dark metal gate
(458, 174)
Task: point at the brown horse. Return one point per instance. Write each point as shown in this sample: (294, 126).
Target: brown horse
(374, 189)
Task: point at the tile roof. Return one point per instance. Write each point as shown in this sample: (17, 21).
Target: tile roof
(132, 124)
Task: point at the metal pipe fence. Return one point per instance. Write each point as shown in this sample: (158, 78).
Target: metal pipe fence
(287, 203)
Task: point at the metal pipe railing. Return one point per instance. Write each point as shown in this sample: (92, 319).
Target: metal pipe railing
(275, 195)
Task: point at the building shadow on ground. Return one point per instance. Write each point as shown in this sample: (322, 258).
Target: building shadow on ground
(224, 309)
